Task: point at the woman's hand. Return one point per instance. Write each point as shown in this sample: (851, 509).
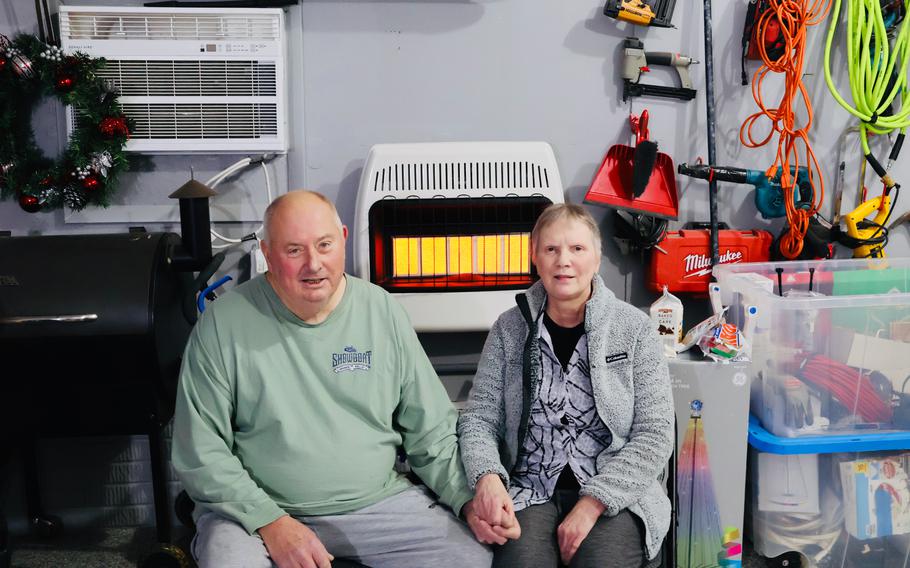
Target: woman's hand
(576, 526)
(492, 502)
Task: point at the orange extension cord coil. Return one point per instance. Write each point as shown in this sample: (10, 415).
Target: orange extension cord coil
(794, 17)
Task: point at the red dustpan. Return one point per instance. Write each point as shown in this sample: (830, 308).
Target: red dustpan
(612, 186)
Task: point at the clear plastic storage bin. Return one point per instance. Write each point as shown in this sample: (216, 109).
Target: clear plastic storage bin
(830, 342)
(845, 506)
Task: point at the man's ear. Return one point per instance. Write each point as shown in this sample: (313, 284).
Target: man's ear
(344, 232)
(266, 251)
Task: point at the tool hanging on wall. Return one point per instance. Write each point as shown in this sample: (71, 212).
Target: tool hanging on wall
(656, 13)
(637, 62)
(793, 20)
(877, 69)
(866, 237)
(625, 180)
(769, 194)
(771, 41)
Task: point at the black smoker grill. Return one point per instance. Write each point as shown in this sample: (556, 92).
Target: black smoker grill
(97, 323)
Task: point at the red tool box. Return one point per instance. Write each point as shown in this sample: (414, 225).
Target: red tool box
(686, 266)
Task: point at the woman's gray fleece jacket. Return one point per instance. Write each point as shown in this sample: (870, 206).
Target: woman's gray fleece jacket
(631, 387)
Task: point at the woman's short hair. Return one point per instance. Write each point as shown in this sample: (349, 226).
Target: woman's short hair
(570, 211)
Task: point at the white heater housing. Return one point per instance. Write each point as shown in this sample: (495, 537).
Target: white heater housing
(192, 79)
(452, 170)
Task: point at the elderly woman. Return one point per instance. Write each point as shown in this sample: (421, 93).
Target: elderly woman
(570, 421)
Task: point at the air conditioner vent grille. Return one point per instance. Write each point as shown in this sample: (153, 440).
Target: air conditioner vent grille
(191, 78)
(200, 121)
(477, 176)
(207, 27)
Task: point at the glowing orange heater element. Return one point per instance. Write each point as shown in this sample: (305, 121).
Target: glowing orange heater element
(463, 254)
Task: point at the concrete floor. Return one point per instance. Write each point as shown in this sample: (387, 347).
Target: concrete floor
(125, 547)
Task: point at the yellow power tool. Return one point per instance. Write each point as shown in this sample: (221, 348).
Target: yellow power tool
(657, 13)
(869, 238)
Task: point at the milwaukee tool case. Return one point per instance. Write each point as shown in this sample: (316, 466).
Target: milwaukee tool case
(682, 261)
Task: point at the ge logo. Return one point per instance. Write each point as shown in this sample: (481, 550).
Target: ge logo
(739, 379)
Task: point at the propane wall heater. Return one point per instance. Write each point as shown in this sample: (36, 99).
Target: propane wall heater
(446, 227)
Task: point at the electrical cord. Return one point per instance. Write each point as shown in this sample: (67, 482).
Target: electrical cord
(850, 387)
(793, 18)
(642, 231)
(215, 180)
(794, 531)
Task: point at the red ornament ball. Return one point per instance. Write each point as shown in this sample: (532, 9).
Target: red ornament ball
(65, 83)
(2, 63)
(91, 182)
(29, 203)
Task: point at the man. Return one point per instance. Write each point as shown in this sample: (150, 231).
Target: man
(296, 390)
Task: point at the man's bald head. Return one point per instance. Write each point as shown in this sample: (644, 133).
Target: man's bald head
(300, 198)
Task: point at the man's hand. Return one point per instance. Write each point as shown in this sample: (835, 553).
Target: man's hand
(291, 544)
(492, 502)
(576, 526)
(486, 533)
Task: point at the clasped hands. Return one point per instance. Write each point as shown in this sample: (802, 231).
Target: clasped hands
(491, 517)
(490, 514)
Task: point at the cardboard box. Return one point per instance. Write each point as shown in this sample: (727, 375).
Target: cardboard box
(876, 496)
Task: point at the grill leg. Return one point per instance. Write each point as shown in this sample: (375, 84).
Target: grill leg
(159, 482)
(42, 524)
(5, 553)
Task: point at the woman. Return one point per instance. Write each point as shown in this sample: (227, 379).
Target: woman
(570, 421)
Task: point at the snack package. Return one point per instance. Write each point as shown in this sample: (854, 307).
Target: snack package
(723, 343)
(667, 317)
(697, 332)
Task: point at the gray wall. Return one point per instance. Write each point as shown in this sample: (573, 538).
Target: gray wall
(371, 71)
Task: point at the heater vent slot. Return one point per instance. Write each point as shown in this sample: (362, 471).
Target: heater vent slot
(164, 26)
(464, 176)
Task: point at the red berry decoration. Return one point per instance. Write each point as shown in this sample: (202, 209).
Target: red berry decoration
(2, 63)
(111, 126)
(29, 203)
(65, 83)
(91, 182)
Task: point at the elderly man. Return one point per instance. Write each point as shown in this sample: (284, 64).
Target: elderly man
(296, 391)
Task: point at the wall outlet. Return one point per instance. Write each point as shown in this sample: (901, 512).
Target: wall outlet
(257, 260)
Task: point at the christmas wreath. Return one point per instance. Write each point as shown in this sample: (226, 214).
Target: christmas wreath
(86, 171)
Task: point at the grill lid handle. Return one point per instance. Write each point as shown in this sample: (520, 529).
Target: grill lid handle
(75, 318)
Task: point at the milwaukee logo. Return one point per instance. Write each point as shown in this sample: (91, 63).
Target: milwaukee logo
(700, 265)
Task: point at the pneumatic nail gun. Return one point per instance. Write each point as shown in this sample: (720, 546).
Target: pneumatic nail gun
(636, 62)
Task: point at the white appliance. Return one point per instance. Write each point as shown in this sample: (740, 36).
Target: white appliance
(192, 79)
(506, 183)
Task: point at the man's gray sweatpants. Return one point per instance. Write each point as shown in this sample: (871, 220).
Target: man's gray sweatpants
(405, 530)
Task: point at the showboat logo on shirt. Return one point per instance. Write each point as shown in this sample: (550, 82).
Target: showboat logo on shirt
(352, 360)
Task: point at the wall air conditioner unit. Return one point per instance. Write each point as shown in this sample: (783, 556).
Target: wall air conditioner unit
(192, 79)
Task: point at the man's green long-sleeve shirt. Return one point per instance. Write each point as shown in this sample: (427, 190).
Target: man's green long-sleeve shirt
(278, 416)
